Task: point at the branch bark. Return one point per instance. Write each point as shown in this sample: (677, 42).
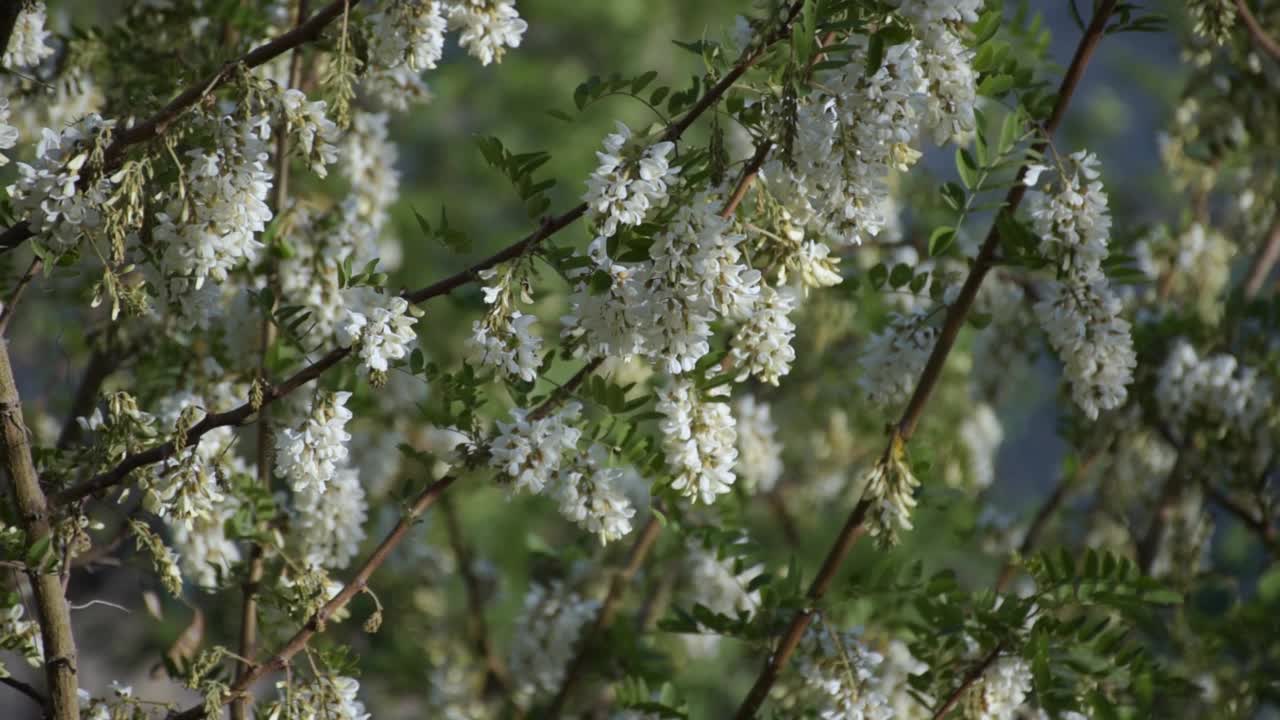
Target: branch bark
(53, 612)
(1264, 261)
(854, 527)
(495, 669)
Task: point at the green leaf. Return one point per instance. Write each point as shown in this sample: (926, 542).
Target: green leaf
(900, 275)
(877, 275)
(995, 85)
(967, 167)
(941, 240)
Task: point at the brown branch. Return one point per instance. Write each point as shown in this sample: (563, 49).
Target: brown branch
(6, 313)
(644, 542)
(355, 586)
(1264, 261)
(53, 612)
(1256, 31)
(24, 688)
(160, 122)
(1149, 545)
(233, 417)
(478, 626)
(1041, 519)
(974, 675)
(101, 364)
(956, 313)
(1257, 523)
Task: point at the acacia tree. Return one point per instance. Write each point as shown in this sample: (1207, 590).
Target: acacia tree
(765, 332)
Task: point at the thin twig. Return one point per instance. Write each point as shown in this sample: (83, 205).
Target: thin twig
(102, 362)
(1260, 36)
(974, 675)
(495, 670)
(1263, 261)
(644, 542)
(16, 296)
(1259, 524)
(24, 688)
(854, 527)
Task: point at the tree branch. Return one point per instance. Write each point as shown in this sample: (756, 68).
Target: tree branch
(51, 604)
(159, 122)
(1257, 523)
(1263, 261)
(974, 675)
(956, 313)
(495, 669)
(25, 689)
(6, 312)
(636, 556)
(1260, 36)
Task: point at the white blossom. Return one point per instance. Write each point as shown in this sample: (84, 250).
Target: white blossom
(952, 82)
(331, 697)
(28, 44)
(981, 434)
(315, 133)
(489, 27)
(309, 456)
(187, 488)
(759, 451)
(841, 675)
(1085, 328)
(1070, 215)
(698, 439)
(893, 358)
(205, 552)
(409, 33)
(546, 638)
(762, 345)
(50, 193)
(1002, 691)
(329, 519)
(380, 327)
(503, 339)
(8, 133)
(628, 182)
(530, 451)
(591, 494)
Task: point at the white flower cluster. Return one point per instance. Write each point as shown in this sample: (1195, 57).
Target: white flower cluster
(503, 338)
(187, 488)
(592, 494)
(981, 434)
(530, 451)
(50, 193)
(849, 137)
(699, 440)
(663, 308)
(330, 697)
(1080, 312)
(410, 33)
(205, 553)
(540, 455)
(1002, 691)
(759, 451)
(8, 133)
(309, 457)
(1213, 19)
(27, 44)
(380, 327)
(890, 488)
(947, 64)
(894, 357)
(717, 586)
(762, 345)
(841, 675)
(1218, 393)
(329, 519)
(315, 133)
(213, 230)
(488, 27)
(368, 160)
(628, 183)
(545, 639)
